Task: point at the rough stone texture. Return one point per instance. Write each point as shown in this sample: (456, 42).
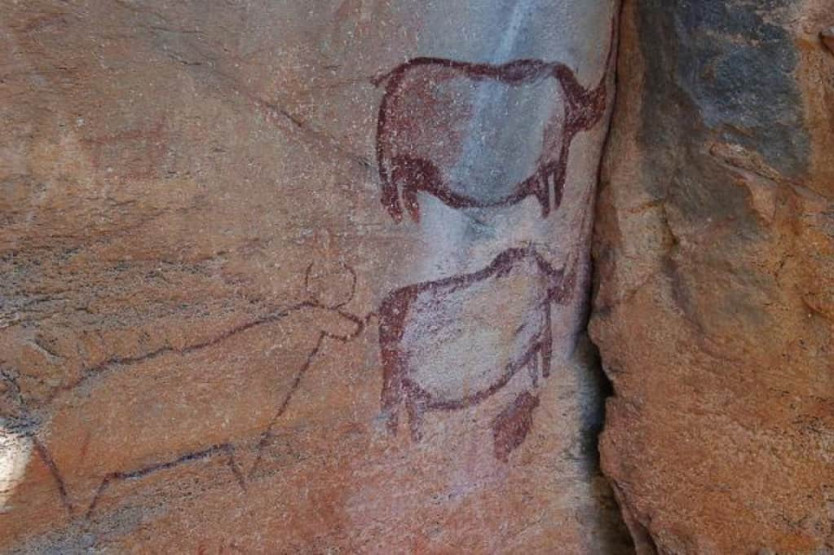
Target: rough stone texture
(714, 298)
(195, 262)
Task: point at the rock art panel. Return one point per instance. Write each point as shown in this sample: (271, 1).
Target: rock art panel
(209, 323)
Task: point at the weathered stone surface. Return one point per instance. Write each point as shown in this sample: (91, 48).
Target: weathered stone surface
(223, 328)
(713, 305)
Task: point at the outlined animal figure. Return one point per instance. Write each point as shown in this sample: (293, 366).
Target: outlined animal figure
(450, 344)
(461, 131)
(178, 406)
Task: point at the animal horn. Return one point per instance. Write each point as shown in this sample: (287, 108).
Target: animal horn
(596, 99)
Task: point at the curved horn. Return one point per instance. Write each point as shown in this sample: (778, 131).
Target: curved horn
(598, 96)
(588, 105)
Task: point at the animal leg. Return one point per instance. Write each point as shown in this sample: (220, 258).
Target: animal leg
(102, 487)
(557, 173)
(411, 202)
(392, 392)
(391, 194)
(546, 344)
(391, 398)
(415, 419)
(229, 449)
(259, 452)
(391, 201)
(152, 469)
(533, 368)
(557, 177)
(44, 455)
(392, 419)
(542, 193)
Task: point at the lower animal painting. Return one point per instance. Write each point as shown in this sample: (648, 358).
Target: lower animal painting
(450, 344)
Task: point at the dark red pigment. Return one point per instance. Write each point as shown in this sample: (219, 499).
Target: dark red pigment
(395, 318)
(398, 169)
(511, 426)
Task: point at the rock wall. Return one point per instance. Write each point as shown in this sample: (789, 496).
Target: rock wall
(714, 249)
(301, 276)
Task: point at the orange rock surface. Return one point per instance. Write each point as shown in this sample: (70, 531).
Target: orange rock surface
(715, 256)
(194, 255)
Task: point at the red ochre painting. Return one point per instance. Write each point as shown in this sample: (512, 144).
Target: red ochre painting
(442, 348)
(485, 136)
(459, 130)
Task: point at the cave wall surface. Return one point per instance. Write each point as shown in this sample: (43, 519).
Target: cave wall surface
(301, 277)
(714, 292)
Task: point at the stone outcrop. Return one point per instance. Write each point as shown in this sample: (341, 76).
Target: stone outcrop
(714, 251)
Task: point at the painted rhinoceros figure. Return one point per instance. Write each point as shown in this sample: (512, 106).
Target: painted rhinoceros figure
(450, 344)
(480, 135)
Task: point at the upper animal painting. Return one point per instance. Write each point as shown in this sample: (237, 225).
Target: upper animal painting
(461, 131)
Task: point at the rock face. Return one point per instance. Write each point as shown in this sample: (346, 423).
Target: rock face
(714, 299)
(266, 286)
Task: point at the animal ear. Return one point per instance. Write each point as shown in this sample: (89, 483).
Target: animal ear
(337, 324)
